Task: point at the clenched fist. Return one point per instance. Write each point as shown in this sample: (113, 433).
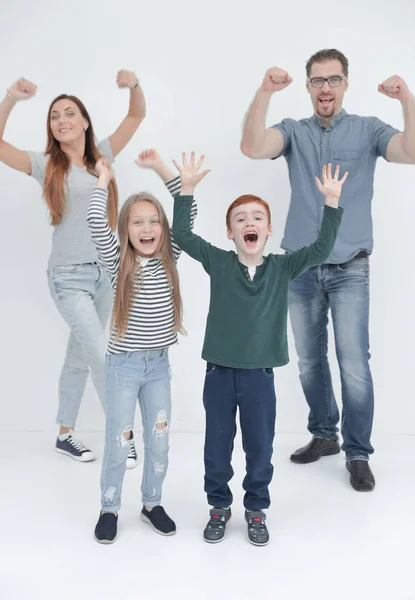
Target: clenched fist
(23, 89)
(126, 79)
(394, 87)
(275, 80)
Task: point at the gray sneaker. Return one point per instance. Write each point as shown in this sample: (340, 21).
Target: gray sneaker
(215, 530)
(257, 530)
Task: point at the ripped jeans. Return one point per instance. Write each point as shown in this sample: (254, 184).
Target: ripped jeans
(142, 375)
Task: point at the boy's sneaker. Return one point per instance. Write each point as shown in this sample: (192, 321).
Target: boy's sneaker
(70, 445)
(215, 530)
(159, 520)
(257, 530)
(106, 528)
(132, 455)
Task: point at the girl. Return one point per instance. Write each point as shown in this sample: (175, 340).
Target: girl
(78, 285)
(146, 317)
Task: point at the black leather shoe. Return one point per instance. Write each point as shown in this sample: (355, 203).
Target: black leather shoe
(361, 477)
(314, 450)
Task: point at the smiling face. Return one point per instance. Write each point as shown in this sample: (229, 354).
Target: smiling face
(66, 122)
(144, 228)
(327, 101)
(249, 228)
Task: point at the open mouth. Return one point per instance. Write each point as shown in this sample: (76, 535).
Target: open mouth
(250, 238)
(147, 241)
(64, 129)
(326, 101)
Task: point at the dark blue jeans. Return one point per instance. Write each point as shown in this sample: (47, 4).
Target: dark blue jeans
(252, 390)
(344, 289)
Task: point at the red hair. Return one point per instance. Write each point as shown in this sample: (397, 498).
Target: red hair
(246, 199)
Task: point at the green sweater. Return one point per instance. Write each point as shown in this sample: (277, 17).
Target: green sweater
(247, 322)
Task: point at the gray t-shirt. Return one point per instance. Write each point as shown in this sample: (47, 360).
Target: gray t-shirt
(71, 240)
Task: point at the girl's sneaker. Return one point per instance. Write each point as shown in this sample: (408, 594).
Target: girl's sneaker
(132, 455)
(215, 530)
(159, 520)
(106, 528)
(257, 530)
(70, 445)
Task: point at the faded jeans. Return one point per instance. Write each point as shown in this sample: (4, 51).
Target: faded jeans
(132, 376)
(83, 296)
(344, 289)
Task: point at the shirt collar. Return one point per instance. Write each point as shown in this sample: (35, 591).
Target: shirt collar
(337, 119)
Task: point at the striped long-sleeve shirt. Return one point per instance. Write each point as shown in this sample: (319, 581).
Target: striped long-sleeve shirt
(151, 318)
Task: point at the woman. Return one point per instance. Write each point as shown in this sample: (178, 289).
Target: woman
(79, 286)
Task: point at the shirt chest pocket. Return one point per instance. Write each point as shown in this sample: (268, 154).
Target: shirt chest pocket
(348, 161)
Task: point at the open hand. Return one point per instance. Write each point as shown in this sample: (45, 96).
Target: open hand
(22, 89)
(189, 173)
(149, 159)
(331, 186)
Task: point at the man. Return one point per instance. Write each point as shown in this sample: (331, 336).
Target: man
(342, 282)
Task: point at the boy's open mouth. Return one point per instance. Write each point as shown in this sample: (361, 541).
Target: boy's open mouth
(250, 238)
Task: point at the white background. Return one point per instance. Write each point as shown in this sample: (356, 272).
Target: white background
(199, 65)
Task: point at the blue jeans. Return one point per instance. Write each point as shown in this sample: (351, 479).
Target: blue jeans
(345, 290)
(130, 376)
(252, 390)
(83, 296)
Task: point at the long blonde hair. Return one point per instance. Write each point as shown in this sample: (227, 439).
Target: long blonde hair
(129, 276)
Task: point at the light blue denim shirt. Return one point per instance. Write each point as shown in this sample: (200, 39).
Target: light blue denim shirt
(354, 143)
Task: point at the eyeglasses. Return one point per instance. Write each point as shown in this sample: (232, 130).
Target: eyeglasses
(333, 81)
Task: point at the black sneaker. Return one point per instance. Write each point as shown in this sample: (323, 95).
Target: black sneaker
(132, 455)
(257, 530)
(106, 528)
(159, 520)
(215, 530)
(74, 448)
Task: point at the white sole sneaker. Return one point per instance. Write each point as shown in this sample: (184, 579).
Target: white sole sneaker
(147, 520)
(131, 463)
(85, 457)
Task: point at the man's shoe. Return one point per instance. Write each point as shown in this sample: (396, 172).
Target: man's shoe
(314, 450)
(361, 476)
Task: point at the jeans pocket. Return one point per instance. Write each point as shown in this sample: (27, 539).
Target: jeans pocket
(268, 372)
(210, 368)
(58, 269)
(356, 265)
(117, 360)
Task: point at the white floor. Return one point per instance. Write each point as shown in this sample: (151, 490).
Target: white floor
(328, 541)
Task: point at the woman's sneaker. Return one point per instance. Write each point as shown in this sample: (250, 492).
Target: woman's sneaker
(159, 520)
(70, 445)
(257, 530)
(215, 530)
(106, 528)
(132, 455)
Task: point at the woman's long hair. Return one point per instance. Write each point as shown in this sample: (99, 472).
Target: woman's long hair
(59, 164)
(129, 276)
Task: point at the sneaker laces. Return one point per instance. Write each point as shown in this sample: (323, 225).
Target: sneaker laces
(77, 444)
(132, 453)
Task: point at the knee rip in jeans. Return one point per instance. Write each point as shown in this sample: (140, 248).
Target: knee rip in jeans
(161, 426)
(159, 468)
(125, 437)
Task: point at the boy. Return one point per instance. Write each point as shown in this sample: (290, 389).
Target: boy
(246, 336)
